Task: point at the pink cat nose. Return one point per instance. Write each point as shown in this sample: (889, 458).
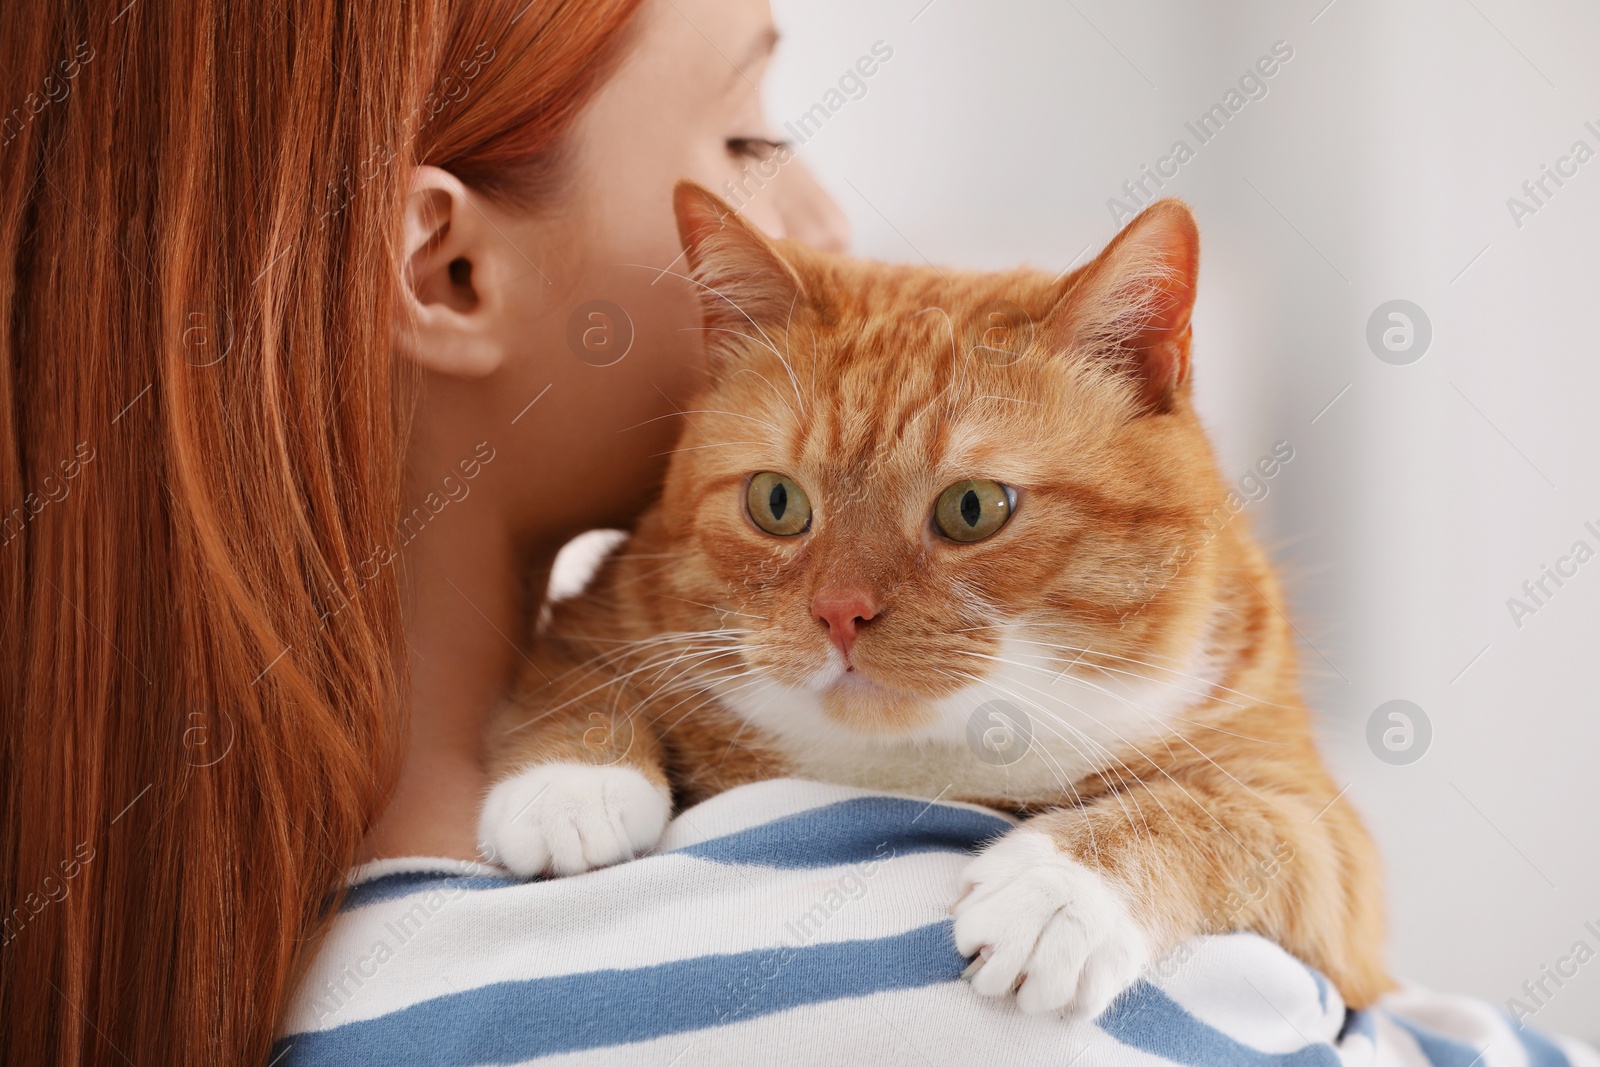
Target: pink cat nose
(843, 612)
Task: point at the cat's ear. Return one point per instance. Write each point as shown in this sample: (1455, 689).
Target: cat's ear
(1132, 303)
(744, 284)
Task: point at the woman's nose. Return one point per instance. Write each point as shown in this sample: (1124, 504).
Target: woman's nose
(807, 213)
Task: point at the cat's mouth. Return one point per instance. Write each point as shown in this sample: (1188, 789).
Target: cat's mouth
(866, 705)
(842, 671)
(846, 673)
(856, 682)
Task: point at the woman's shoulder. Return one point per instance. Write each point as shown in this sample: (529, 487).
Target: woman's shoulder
(809, 922)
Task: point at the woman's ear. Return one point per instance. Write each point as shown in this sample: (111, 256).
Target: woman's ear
(453, 272)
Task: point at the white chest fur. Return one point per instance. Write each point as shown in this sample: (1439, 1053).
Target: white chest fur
(1028, 730)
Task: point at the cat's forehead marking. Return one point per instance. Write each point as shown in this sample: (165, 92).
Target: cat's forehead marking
(874, 408)
(908, 395)
(911, 374)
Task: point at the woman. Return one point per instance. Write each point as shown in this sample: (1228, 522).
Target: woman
(323, 331)
(241, 328)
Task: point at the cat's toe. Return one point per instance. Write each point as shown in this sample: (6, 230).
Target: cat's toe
(566, 818)
(1056, 932)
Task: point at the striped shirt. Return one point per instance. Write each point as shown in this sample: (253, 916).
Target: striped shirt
(788, 923)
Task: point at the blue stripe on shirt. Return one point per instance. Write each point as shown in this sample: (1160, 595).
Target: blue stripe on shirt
(1542, 1052)
(409, 883)
(507, 1022)
(1147, 1019)
(853, 831)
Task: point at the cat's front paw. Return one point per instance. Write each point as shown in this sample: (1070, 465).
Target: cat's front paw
(567, 818)
(1048, 927)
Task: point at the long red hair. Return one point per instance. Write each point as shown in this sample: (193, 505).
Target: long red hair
(201, 437)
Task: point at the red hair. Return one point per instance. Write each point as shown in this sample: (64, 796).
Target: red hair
(201, 438)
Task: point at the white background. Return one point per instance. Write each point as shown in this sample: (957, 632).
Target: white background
(1377, 167)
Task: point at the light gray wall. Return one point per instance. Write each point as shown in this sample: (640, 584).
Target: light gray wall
(1377, 167)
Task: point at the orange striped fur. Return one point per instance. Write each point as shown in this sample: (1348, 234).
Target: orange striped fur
(1138, 628)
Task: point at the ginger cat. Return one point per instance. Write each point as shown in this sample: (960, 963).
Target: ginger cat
(957, 535)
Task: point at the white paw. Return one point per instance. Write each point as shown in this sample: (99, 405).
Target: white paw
(567, 818)
(1050, 923)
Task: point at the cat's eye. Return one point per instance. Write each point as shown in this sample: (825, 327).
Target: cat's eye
(974, 509)
(778, 505)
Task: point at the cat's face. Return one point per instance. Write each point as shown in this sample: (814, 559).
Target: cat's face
(905, 492)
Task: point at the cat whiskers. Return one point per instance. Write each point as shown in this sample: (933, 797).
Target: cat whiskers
(1125, 701)
(623, 644)
(658, 664)
(712, 607)
(698, 687)
(1125, 791)
(702, 411)
(765, 341)
(1051, 763)
(671, 561)
(1101, 653)
(754, 676)
(1067, 784)
(1125, 742)
(696, 448)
